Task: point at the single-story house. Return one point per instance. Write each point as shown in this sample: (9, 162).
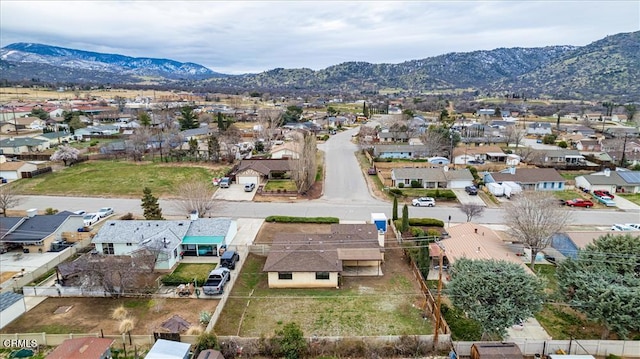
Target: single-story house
(539, 128)
(432, 177)
(12, 306)
(37, 232)
(557, 157)
(83, 348)
(12, 170)
(170, 239)
(473, 241)
(7, 127)
(538, 179)
(393, 136)
(298, 260)
(612, 181)
(588, 144)
(167, 349)
(31, 122)
(258, 171)
(466, 154)
(18, 145)
(400, 151)
(285, 151)
(56, 138)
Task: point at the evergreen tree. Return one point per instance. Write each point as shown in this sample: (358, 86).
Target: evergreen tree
(150, 205)
(405, 218)
(221, 124)
(188, 119)
(394, 212)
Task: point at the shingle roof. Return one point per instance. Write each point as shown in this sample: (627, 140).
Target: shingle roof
(209, 227)
(81, 348)
(264, 166)
(122, 231)
(432, 174)
(300, 252)
(612, 179)
(37, 228)
(7, 299)
(21, 141)
(7, 223)
(529, 175)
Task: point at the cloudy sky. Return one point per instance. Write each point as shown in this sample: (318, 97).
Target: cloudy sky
(253, 36)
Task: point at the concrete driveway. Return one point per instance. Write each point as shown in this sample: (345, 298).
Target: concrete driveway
(626, 205)
(465, 198)
(235, 192)
(531, 329)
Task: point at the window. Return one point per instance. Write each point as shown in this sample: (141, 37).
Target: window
(285, 275)
(129, 244)
(107, 248)
(322, 275)
(175, 253)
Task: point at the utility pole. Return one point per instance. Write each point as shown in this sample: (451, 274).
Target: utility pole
(624, 148)
(439, 296)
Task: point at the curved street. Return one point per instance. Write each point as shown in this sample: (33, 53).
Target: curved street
(345, 196)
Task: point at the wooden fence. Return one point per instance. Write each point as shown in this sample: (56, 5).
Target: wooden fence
(602, 348)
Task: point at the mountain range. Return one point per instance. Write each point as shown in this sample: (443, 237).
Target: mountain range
(605, 69)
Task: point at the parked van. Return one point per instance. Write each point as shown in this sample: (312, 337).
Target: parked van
(225, 182)
(229, 258)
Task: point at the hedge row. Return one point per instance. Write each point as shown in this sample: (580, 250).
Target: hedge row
(426, 222)
(288, 219)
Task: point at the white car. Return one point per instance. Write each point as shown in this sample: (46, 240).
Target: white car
(424, 202)
(621, 228)
(635, 226)
(90, 219)
(105, 212)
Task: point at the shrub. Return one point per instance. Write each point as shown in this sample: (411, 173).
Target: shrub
(289, 219)
(205, 317)
(194, 330)
(462, 328)
(416, 184)
(119, 313)
(396, 191)
(417, 232)
(127, 217)
(433, 233)
(50, 211)
(426, 222)
(291, 341)
(93, 143)
(400, 185)
(206, 341)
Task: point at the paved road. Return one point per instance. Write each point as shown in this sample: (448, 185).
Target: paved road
(346, 196)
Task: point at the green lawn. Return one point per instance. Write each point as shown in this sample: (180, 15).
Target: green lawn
(635, 198)
(354, 309)
(194, 270)
(283, 185)
(115, 178)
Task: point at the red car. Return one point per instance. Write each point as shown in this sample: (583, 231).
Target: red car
(603, 194)
(579, 202)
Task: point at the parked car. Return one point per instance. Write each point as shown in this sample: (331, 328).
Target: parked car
(621, 228)
(372, 171)
(471, 190)
(3, 180)
(90, 219)
(424, 202)
(80, 212)
(579, 202)
(600, 193)
(216, 281)
(228, 259)
(225, 182)
(105, 212)
(635, 226)
(249, 187)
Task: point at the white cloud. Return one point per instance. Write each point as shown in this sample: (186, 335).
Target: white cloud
(253, 36)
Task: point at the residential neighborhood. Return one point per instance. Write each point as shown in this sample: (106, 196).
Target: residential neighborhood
(314, 207)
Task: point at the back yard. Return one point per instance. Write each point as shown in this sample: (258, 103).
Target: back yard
(362, 306)
(90, 315)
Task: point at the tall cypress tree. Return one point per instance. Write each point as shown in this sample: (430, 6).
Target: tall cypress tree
(150, 205)
(405, 218)
(394, 213)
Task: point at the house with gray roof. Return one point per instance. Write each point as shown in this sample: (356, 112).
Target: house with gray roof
(441, 177)
(12, 306)
(539, 128)
(400, 151)
(302, 260)
(36, 233)
(557, 158)
(612, 181)
(56, 138)
(535, 179)
(20, 145)
(170, 240)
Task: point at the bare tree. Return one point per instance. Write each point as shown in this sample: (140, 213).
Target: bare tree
(304, 169)
(435, 143)
(228, 139)
(8, 198)
(195, 196)
(268, 121)
(514, 134)
(472, 210)
(138, 143)
(533, 217)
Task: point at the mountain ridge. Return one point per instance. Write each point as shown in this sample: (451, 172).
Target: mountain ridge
(608, 67)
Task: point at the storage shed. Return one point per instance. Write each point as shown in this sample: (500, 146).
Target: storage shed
(495, 350)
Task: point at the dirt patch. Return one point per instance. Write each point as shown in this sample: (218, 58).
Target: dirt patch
(269, 230)
(90, 315)
(5, 276)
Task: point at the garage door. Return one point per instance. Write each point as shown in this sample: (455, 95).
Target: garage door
(248, 179)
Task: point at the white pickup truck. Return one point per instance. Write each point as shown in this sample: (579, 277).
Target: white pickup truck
(216, 281)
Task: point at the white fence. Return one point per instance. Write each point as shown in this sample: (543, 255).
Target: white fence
(625, 348)
(31, 276)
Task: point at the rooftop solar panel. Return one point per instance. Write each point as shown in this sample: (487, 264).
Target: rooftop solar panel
(630, 176)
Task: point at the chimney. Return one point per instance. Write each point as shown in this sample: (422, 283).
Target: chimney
(32, 212)
(194, 215)
(607, 172)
